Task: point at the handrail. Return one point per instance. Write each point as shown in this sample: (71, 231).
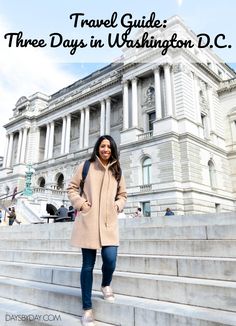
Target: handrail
(16, 193)
(5, 209)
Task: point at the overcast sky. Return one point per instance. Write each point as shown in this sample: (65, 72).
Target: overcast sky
(26, 71)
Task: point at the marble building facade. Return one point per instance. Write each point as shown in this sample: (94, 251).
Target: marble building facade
(173, 118)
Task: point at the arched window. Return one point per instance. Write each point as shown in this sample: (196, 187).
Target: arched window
(60, 181)
(41, 182)
(212, 174)
(7, 189)
(146, 167)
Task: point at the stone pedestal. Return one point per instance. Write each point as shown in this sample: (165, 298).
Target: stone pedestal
(168, 124)
(130, 135)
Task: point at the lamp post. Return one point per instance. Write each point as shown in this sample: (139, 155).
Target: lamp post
(28, 175)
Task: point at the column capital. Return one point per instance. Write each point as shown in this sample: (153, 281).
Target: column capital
(156, 68)
(209, 87)
(125, 81)
(134, 78)
(166, 64)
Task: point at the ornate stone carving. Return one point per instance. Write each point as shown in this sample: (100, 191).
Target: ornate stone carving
(180, 67)
(203, 102)
(22, 99)
(150, 94)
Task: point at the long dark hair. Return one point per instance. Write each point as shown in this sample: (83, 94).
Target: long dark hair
(115, 168)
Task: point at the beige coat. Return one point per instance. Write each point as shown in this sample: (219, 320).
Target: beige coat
(96, 225)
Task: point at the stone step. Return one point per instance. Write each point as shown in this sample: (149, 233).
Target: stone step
(63, 231)
(192, 291)
(211, 232)
(202, 248)
(14, 313)
(182, 220)
(126, 310)
(188, 232)
(199, 267)
(158, 221)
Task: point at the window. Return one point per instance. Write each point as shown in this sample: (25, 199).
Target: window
(151, 119)
(204, 125)
(147, 164)
(60, 182)
(41, 182)
(217, 207)
(146, 209)
(212, 174)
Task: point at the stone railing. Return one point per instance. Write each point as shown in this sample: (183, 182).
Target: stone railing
(145, 188)
(45, 191)
(227, 85)
(145, 135)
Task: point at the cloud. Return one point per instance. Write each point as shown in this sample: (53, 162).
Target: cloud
(24, 72)
(179, 2)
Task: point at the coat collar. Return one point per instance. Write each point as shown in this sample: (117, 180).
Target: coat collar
(99, 163)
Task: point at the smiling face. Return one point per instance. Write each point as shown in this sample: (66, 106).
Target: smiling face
(104, 151)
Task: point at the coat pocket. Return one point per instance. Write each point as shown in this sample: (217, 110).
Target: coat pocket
(86, 208)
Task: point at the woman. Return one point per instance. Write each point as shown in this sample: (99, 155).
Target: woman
(103, 197)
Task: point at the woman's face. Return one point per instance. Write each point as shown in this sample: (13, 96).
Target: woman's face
(104, 151)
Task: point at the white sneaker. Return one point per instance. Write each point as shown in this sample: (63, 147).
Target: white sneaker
(108, 294)
(87, 318)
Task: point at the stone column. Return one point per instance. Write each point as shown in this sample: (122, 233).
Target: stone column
(102, 118)
(196, 100)
(19, 146)
(108, 116)
(63, 134)
(37, 141)
(9, 155)
(86, 127)
(67, 137)
(233, 130)
(211, 108)
(51, 140)
(126, 106)
(157, 84)
(6, 151)
(81, 131)
(23, 148)
(47, 142)
(134, 102)
(169, 107)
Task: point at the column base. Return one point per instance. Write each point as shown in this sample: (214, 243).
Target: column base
(167, 124)
(130, 135)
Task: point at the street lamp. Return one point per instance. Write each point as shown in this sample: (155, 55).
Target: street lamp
(28, 175)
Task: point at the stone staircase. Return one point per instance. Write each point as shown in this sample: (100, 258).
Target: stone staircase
(177, 270)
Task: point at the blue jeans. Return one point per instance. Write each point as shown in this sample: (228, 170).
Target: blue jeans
(109, 254)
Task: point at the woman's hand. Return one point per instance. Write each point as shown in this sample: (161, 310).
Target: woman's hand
(85, 207)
